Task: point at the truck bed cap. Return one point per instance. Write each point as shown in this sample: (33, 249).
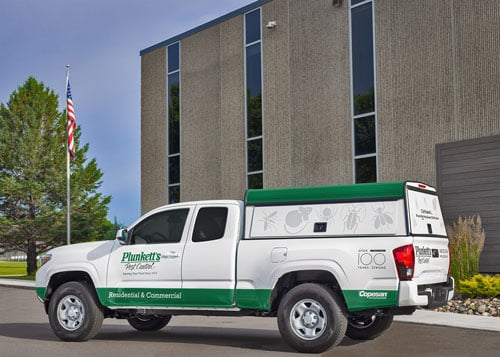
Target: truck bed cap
(366, 191)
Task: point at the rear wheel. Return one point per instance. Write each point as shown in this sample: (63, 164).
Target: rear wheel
(74, 313)
(368, 327)
(310, 318)
(149, 322)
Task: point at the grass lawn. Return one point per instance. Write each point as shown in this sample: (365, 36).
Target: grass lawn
(15, 270)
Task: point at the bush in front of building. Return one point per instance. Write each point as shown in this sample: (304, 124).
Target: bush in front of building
(466, 237)
(480, 286)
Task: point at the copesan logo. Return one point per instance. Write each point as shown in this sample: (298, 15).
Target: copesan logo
(373, 295)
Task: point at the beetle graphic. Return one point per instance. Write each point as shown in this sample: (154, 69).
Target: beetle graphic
(353, 218)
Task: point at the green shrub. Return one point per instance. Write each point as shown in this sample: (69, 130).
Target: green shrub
(480, 286)
(466, 244)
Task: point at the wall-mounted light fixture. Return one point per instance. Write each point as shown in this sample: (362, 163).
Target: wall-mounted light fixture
(337, 3)
(271, 24)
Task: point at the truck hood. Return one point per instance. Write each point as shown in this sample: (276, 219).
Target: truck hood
(83, 251)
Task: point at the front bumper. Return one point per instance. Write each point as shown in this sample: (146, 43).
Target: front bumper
(429, 295)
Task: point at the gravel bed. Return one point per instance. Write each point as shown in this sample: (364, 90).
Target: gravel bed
(468, 306)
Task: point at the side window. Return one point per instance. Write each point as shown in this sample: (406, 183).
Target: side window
(163, 227)
(210, 224)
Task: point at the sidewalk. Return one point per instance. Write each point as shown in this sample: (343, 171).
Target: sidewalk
(419, 317)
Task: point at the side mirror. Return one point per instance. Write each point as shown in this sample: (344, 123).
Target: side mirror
(121, 235)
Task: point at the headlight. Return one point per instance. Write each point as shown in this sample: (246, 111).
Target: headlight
(45, 259)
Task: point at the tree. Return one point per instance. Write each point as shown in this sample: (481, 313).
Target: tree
(33, 177)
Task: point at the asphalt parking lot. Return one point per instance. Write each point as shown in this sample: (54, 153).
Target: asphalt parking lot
(25, 331)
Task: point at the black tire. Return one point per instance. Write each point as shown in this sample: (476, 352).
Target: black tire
(310, 318)
(367, 327)
(74, 313)
(149, 322)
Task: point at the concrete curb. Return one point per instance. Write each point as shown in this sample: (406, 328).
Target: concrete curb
(419, 317)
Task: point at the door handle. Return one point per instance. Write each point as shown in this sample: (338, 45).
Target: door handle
(171, 255)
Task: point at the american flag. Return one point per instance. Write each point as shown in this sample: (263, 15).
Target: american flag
(71, 123)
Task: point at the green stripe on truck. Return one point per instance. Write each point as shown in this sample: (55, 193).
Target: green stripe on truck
(358, 300)
(196, 298)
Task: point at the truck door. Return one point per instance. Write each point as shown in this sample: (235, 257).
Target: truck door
(147, 271)
(209, 263)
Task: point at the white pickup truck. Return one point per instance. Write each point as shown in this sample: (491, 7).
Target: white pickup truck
(326, 261)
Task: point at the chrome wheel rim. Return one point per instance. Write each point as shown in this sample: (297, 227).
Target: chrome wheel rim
(70, 312)
(308, 319)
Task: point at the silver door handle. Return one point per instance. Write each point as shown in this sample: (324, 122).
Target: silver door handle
(171, 255)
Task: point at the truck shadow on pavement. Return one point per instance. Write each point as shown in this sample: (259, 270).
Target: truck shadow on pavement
(254, 339)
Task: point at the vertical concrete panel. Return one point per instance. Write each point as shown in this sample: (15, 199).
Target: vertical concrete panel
(276, 101)
(200, 116)
(320, 93)
(477, 54)
(414, 86)
(232, 102)
(153, 130)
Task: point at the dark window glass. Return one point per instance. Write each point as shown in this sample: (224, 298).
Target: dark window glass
(364, 136)
(254, 157)
(163, 227)
(210, 224)
(366, 169)
(252, 26)
(174, 170)
(173, 57)
(255, 181)
(174, 194)
(173, 114)
(362, 59)
(254, 91)
(354, 2)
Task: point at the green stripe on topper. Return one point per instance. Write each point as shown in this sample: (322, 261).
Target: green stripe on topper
(365, 191)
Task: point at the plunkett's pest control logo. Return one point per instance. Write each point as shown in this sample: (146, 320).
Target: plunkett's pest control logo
(129, 257)
(140, 263)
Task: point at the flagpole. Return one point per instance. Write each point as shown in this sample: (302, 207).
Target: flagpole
(68, 169)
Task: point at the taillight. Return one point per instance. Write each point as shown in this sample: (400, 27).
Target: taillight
(404, 257)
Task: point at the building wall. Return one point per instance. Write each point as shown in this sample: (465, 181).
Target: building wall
(232, 174)
(319, 93)
(153, 130)
(436, 80)
(200, 116)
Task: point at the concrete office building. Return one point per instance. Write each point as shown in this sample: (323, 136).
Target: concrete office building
(321, 92)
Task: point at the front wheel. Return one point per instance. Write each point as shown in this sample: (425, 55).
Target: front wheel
(149, 322)
(74, 314)
(368, 327)
(310, 318)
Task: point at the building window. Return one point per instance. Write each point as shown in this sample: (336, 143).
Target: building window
(253, 95)
(364, 117)
(174, 120)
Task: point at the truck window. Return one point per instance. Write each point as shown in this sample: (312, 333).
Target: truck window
(210, 224)
(163, 227)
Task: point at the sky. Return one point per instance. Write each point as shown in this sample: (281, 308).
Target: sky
(101, 41)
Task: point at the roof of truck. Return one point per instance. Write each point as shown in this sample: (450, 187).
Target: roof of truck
(365, 191)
